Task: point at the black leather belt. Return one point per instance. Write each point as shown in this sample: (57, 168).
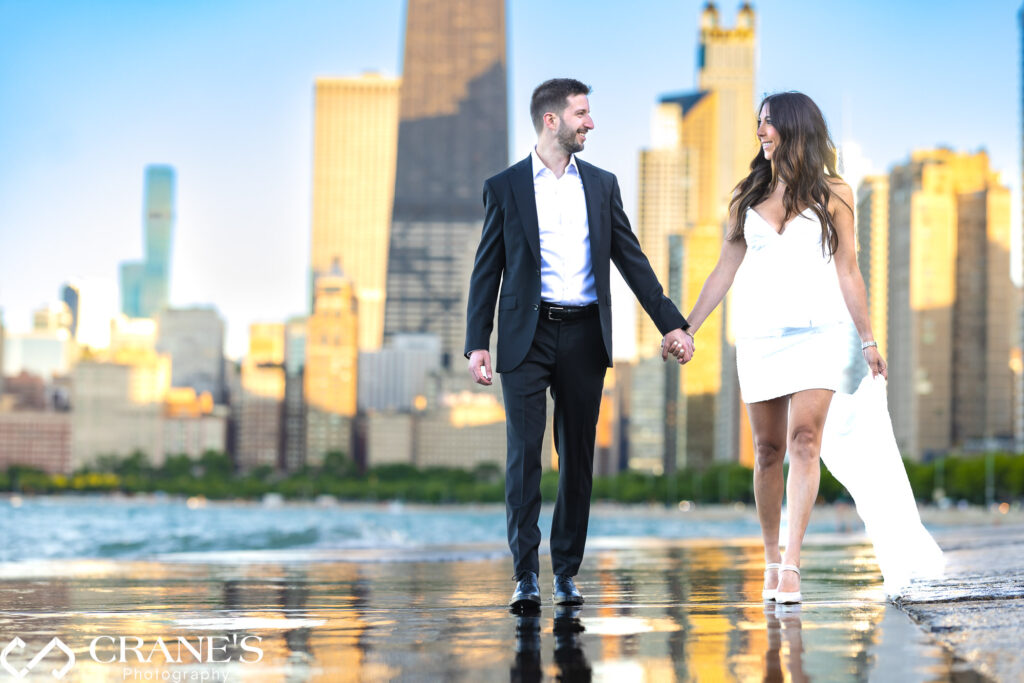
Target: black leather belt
(561, 312)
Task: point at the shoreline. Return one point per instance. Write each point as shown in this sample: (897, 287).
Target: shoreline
(953, 515)
(976, 611)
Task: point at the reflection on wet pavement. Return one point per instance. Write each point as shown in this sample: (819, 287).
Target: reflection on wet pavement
(656, 612)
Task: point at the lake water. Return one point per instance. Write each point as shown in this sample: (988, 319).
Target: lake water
(39, 528)
(410, 593)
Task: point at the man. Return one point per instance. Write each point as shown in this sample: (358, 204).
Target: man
(552, 225)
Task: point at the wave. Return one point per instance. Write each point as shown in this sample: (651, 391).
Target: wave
(49, 528)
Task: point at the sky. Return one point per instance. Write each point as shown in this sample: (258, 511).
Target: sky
(92, 92)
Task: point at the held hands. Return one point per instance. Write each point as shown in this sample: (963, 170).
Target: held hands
(679, 344)
(480, 367)
(876, 362)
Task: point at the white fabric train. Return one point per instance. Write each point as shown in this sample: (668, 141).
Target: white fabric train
(859, 449)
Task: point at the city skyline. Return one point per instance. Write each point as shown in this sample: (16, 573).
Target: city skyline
(88, 99)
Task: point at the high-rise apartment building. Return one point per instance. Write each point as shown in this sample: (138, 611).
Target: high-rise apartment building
(664, 208)
(260, 411)
(194, 339)
(871, 211)
(702, 145)
(145, 285)
(295, 332)
(453, 134)
(873, 252)
(394, 378)
(953, 317)
(117, 405)
(193, 424)
(331, 370)
(37, 439)
(354, 146)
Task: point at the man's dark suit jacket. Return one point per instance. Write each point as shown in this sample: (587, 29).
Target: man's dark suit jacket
(509, 256)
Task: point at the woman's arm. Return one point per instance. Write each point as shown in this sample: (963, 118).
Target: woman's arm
(717, 284)
(850, 281)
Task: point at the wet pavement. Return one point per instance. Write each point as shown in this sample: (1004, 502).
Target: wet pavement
(977, 611)
(655, 611)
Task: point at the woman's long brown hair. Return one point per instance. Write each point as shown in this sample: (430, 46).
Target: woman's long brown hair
(804, 159)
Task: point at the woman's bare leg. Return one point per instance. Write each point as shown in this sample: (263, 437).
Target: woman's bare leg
(768, 422)
(807, 412)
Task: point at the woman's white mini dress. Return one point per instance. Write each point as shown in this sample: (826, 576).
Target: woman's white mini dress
(792, 333)
(791, 323)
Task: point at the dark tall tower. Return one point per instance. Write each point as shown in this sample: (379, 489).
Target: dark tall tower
(452, 135)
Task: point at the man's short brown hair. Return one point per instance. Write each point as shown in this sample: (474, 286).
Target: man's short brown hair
(553, 95)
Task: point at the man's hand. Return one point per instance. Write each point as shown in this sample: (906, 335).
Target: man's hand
(679, 344)
(480, 367)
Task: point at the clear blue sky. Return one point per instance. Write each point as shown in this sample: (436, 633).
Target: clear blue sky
(92, 92)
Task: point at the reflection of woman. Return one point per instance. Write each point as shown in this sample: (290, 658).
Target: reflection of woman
(783, 623)
(791, 226)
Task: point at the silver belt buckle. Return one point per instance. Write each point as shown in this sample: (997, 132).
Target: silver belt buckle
(552, 309)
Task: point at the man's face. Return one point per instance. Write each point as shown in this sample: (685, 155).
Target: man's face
(574, 123)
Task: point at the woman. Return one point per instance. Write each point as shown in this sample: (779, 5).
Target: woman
(791, 226)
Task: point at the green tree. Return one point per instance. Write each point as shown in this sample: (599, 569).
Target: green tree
(339, 465)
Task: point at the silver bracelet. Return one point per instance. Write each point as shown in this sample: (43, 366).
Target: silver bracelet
(867, 345)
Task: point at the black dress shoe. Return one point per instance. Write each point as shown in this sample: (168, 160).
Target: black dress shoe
(527, 591)
(565, 592)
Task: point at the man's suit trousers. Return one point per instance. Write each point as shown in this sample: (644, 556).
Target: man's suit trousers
(569, 358)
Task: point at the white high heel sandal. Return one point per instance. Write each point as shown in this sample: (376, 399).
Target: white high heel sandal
(769, 593)
(788, 597)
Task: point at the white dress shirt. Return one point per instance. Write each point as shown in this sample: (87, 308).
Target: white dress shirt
(566, 274)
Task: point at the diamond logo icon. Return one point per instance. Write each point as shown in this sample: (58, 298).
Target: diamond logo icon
(19, 644)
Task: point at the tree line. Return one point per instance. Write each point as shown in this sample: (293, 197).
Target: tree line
(975, 479)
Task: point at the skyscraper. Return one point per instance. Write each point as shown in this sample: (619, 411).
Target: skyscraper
(453, 134)
(952, 312)
(194, 339)
(331, 371)
(665, 206)
(145, 285)
(873, 252)
(260, 410)
(354, 145)
(118, 405)
(702, 144)
(295, 331)
(725, 66)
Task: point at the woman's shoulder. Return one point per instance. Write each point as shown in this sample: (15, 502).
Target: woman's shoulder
(840, 187)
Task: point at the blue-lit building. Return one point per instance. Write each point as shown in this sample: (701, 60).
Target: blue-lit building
(145, 285)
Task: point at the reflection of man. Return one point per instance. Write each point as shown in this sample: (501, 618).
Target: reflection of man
(552, 225)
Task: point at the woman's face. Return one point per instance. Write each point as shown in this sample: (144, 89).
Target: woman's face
(766, 132)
